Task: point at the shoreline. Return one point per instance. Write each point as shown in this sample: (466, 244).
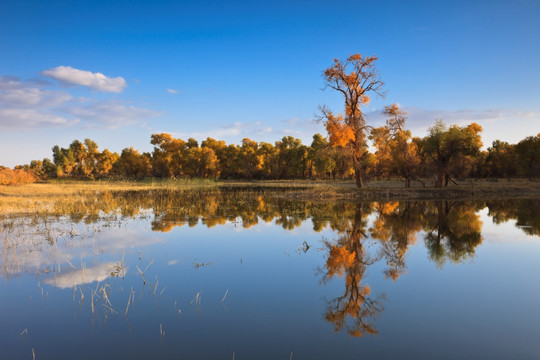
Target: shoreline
(61, 197)
(302, 189)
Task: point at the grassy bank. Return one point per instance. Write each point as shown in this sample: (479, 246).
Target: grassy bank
(41, 197)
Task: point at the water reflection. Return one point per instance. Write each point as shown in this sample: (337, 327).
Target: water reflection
(526, 212)
(172, 208)
(453, 231)
(347, 257)
(54, 244)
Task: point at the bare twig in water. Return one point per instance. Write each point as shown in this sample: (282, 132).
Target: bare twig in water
(150, 263)
(73, 266)
(224, 296)
(196, 299)
(127, 307)
(142, 274)
(161, 334)
(155, 287)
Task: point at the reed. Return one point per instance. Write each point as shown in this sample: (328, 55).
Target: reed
(224, 296)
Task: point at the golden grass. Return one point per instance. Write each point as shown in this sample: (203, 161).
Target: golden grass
(57, 196)
(41, 197)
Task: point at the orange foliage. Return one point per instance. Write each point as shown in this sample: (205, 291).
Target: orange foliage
(339, 260)
(16, 177)
(388, 207)
(340, 133)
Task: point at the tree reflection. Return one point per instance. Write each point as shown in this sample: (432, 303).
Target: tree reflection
(355, 311)
(396, 226)
(453, 231)
(526, 212)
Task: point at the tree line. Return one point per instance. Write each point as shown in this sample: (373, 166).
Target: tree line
(445, 154)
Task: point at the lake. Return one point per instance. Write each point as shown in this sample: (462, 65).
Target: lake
(254, 274)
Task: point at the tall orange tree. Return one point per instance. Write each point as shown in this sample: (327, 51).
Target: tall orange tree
(355, 78)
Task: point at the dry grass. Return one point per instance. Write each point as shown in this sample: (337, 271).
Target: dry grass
(42, 197)
(59, 197)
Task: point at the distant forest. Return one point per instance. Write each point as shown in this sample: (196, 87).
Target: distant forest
(447, 153)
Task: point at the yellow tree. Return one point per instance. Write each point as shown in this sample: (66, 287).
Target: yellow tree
(355, 78)
(249, 158)
(381, 139)
(396, 153)
(105, 162)
(166, 150)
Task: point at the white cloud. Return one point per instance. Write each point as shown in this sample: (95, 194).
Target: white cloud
(33, 97)
(96, 81)
(510, 125)
(20, 118)
(91, 274)
(23, 105)
(424, 118)
(172, 91)
(111, 113)
(29, 105)
(233, 132)
(304, 129)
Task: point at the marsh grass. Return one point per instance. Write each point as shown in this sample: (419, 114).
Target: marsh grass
(68, 197)
(61, 197)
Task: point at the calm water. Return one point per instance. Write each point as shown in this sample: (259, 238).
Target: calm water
(211, 274)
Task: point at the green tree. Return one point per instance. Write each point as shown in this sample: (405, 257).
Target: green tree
(528, 155)
(64, 159)
(320, 156)
(501, 159)
(446, 146)
(292, 158)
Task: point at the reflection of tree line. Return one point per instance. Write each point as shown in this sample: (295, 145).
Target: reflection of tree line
(247, 207)
(452, 232)
(452, 229)
(525, 212)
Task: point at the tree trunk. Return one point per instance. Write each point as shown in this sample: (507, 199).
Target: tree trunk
(358, 174)
(440, 177)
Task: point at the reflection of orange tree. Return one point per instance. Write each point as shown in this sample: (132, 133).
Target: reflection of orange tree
(396, 226)
(355, 310)
(453, 231)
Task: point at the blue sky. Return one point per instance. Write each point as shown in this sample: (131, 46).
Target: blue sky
(118, 71)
